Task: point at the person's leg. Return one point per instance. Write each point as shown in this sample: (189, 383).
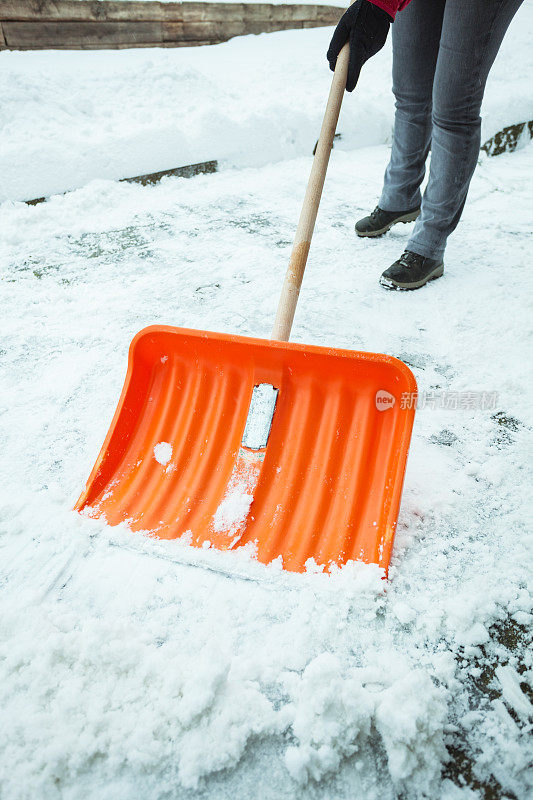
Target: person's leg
(416, 35)
(472, 33)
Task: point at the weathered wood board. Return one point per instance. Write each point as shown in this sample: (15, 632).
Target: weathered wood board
(64, 24)
(77, 10)
(74, 34)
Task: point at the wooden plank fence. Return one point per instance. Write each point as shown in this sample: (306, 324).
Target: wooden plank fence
(94, 24)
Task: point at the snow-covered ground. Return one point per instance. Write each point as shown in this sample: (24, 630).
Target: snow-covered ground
(126, 673)
(69, 117)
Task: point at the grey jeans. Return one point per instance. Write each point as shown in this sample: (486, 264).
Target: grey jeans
(442, 54)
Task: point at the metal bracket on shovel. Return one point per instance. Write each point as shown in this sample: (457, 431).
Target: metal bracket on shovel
(260, 415)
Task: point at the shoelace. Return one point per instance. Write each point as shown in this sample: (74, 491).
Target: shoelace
(375, 213)
(408, 258)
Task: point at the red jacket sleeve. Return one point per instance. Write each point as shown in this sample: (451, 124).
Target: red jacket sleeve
(391, 6)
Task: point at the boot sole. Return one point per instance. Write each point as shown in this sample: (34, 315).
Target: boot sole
(390, 283)
(374, 234)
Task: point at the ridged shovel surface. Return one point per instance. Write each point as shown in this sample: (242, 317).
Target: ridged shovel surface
(327, 486)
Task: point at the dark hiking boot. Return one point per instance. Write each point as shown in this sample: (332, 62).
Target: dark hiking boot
(411, 271)
(380, 221)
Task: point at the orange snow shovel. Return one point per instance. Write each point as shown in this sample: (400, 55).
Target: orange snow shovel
(225, 441)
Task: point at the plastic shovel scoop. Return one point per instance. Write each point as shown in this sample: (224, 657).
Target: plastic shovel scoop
(224, 441)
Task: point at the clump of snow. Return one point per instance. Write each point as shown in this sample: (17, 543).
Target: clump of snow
(332, 719)
(336, 713)
(233, 510)
(163, 452)
(186, 538)
(410, 717)
(404, 613)
(512, 692)
(313, 568)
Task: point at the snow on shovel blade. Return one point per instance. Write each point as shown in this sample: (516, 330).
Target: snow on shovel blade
(317, 473)
(231, 515)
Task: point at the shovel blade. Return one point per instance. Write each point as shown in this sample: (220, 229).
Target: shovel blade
(328, 484)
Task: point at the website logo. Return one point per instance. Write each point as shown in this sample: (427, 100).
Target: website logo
(384, 400)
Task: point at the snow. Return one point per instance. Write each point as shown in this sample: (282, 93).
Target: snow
(163, 452)
(332, 719)
(411, 737)
(234, 508)
(132, 667)
(69, 117)
(512, 693)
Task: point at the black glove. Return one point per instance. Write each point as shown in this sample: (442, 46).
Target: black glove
(366, 26)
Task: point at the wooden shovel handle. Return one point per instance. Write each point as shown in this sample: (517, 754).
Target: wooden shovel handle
(302, 241)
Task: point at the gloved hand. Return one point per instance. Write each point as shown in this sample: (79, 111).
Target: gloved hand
(366, 26)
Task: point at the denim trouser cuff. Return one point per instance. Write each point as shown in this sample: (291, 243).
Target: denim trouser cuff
(421, 249)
